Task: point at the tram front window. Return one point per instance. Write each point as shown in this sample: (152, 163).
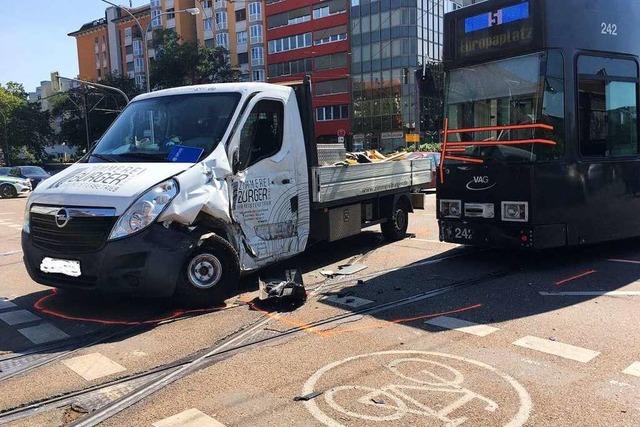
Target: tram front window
(503, 93)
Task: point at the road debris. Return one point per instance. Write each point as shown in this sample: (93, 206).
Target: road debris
(307, 397)
(288, 286)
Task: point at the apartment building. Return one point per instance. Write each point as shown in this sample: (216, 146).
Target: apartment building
(239, 27)
(113, 45)
(310, 37)
(163, 15)
(93, 50)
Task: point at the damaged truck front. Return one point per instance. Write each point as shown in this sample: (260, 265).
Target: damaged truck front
(192, 187)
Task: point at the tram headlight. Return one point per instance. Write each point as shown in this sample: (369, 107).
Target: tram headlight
(451, 208)
(515, 211)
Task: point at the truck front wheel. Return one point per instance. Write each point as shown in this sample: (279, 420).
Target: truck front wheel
(395, 228)
(211, 274)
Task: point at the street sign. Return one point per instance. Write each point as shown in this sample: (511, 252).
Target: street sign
(412, 138)
(341, 140)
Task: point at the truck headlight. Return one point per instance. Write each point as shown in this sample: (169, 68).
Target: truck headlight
(515, 211)
(144, 211)
(26, 225)
(451, 208)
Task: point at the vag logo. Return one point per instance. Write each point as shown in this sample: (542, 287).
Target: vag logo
(480, 183)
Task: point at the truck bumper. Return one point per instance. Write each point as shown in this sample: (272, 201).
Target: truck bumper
(503, 235)
(146, 264)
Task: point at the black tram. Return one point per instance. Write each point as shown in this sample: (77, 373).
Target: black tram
(541, 131)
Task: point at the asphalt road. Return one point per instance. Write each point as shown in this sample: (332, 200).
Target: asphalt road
(427, 334)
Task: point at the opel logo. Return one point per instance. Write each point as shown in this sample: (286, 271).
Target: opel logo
(62, 218)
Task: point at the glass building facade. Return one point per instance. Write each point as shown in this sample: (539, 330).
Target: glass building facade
(390, 41)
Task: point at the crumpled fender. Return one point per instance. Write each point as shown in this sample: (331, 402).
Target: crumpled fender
(203, 188)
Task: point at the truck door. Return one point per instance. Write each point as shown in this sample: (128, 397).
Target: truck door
(266, 199)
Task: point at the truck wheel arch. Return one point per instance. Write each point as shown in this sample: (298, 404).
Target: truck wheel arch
(388, 203)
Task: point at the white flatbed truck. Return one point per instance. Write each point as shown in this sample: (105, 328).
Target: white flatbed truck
(192, 187)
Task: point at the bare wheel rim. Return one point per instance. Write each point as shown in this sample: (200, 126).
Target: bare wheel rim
(400, 219)
(204, 271)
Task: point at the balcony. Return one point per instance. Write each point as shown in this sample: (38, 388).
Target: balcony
(171, 23)
(220, 4)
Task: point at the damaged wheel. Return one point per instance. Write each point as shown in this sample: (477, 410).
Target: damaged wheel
(210, 275)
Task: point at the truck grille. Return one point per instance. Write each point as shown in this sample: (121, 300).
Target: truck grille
(86, 230)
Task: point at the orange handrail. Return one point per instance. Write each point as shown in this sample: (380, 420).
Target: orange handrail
(460, 147)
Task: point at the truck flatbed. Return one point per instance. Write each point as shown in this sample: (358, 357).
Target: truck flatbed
(341, 183)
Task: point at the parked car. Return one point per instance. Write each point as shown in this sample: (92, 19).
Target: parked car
(11, 187)
(35, 174)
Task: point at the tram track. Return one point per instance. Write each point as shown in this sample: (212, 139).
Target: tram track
(15, 364)
(134, 388)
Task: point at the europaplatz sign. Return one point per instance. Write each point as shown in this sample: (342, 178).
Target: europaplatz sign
(510, 27)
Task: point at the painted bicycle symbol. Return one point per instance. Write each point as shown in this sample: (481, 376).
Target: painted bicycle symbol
(408, 387)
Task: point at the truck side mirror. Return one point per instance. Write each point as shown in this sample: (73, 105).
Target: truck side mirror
(235, 160)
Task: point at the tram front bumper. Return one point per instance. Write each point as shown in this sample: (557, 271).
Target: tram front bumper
(501, 235)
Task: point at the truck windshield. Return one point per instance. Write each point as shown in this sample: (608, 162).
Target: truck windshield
(510, 92)
(184, 128)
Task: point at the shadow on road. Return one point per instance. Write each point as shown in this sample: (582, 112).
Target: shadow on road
(493, 286)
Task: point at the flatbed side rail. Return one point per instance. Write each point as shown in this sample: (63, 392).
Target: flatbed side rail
(451, 150)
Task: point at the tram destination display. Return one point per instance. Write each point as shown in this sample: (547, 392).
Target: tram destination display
(494, 32)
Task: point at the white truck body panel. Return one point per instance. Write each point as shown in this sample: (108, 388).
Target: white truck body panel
(335, 183)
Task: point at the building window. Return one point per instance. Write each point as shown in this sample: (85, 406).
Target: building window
(138, 65)
(255, 12)
(221, 21)
(241, 15)
(156, 19)
(321, 12)
(241, 37)
(140, 80)
(171, 13)
(331, 87)
(257, 56)
(243, 58)
(256, 33)
(208, 24)
(290, 43)
(222, 40)
(128, 36)
(220, 4)
(155, 3)
(207, 4)
(328, 62)
(137, 47)
(290, 67)
(258, 75)
(209, 43)
(608, 100)
(331, 39)
(332, 112)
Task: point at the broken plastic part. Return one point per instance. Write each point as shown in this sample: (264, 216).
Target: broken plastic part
(289, 286)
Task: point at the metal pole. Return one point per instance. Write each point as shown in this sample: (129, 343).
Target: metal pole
(6, 139)
(86, 120)
(144, 41)
(124, 95)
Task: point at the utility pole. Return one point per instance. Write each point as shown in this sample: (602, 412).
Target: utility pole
(86, 119)
(5, 127)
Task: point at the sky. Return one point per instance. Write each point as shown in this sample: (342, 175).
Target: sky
(34, 41)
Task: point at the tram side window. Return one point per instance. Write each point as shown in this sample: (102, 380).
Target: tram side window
(608, 98)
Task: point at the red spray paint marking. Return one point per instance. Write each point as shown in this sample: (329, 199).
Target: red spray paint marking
(576, 277)
(39, 306)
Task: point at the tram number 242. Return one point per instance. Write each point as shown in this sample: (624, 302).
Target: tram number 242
(609, 29)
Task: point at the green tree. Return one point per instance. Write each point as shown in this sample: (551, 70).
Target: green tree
(28, 129)
(180, 63)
